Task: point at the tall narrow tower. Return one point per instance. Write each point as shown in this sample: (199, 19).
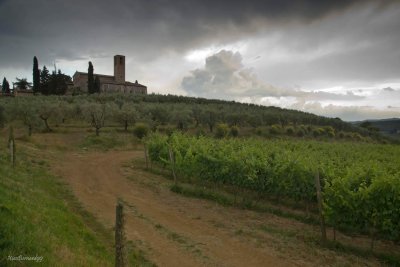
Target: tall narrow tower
(119, 68)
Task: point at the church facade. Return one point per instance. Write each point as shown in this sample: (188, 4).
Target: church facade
(111, 84)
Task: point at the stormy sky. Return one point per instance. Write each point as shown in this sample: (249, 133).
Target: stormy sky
(333, 58)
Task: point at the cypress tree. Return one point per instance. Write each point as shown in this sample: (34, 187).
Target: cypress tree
(44, 81)
(36, 76)
(5, 86)
(90, 79)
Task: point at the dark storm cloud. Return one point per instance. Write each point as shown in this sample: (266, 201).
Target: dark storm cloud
(310, 45)
(359, 45)
(144, 29)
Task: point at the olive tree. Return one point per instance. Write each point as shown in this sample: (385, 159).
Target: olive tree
(126, 115)
(27, 113)
(95, 113)
(182, 118)
(210, 118)
(47, 110)
(63, 112)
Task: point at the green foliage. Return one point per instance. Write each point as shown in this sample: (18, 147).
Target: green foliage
(317, 132)
(90, 78)
(53, 84)
(46, 110)
(140, 130)
(290, 130)
(57, 83)
(301, 132)
(44, 80)
(126, 115)
(158, 115)
(234, 131)
(200, 132)
(182, 119)
(361, 182)
(36, 76)
(96, 85)
(275, 129)
(187, 113)
(96, 114)
(22, 83)
(36, 218)
(368, 125)
(222, 130)
(5, 87)
(329, 131)
(210, 118)
(356, 136)
(197, 114)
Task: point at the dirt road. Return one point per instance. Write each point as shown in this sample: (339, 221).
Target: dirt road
(171, 229)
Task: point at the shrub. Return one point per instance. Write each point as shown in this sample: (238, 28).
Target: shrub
(169, 130)
(275, 129)
(356, 136)
(289, 130)
(140, 130)
(329, 131)
(317, 132)
(222, 130)
(200, 132)
(300, 132)
(234, 131)
(258, 131)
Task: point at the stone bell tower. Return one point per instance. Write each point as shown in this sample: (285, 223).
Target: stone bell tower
(119, 68)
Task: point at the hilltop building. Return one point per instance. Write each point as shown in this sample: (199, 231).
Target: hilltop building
(108, 83)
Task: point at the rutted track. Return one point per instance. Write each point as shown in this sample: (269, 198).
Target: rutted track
(172, 230)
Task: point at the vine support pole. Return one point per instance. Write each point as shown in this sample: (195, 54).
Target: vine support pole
(11, 143)
(320, 207)
(146, 156)
(172, 160)
(120, 260)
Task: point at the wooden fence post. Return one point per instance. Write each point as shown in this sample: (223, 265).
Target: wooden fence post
(146, 155)
(172, 160)
(320, 208)
(11, 143)
(120, 260)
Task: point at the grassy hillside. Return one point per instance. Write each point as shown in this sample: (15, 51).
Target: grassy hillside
(39, 216)
(36, 219)
(168, 112)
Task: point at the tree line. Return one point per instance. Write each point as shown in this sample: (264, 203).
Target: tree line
(168, 113)
(46, 83)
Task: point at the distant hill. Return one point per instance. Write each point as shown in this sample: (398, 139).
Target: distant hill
(389, 127)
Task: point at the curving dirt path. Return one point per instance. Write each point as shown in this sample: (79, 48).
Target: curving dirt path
(172, 230)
